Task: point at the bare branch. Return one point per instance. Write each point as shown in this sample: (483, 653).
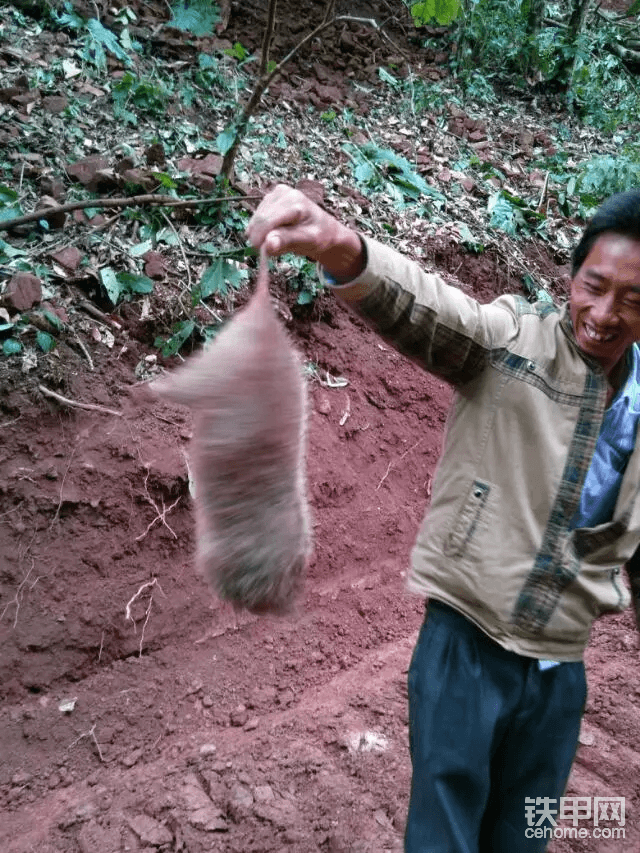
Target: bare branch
(268, 35)
(265, 80)
(126, 201)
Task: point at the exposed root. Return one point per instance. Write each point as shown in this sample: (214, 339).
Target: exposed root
(74, 404)
(161, 513)
(17, 598)
(390, 465)
(148, 585)
(91, 734)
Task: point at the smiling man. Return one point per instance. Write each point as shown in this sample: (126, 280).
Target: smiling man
(535, 510)
(605, 299)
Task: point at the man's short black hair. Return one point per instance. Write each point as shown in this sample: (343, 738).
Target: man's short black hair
(619, 213)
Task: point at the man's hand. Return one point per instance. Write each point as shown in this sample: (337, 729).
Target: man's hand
(287, 221)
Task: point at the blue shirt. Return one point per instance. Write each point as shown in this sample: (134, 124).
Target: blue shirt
(615, 442)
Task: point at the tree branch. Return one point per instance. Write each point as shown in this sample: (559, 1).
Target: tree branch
(126, 201)
(268, 35)
(266, 78)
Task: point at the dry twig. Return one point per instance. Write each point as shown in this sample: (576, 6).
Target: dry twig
(389, 466)
(266, 78)
(74, 404)
(181, 247)
(126, 201)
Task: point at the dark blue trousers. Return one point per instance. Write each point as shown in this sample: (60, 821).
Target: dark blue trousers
(487, 728)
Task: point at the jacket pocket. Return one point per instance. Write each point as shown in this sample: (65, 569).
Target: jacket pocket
(470, 516)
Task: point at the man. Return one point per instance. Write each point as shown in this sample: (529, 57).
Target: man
(535, 510)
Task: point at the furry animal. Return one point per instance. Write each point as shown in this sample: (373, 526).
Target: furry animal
(248, 397)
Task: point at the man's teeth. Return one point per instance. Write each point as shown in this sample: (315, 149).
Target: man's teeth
(596, 336)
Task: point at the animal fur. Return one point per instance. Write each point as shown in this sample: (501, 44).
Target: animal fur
(248, 397)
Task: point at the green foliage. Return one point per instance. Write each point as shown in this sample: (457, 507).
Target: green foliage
(7, 195)
(425, 96)
(443, 11)
(304, 280)
(509, 213)
(9, 209)
(605, 175)
(98, 39)
(124, 285)
(197, 17)
(45, 341)
(382, 170)
(209, 74)
(148, 98)
(504, 215)
(219, 276)
(535, 291)
(11, 347)
(181, 332)
(394, 82)
(478, 88)
(495, 43)
(238, 51)
(226, 138)
(601, 92)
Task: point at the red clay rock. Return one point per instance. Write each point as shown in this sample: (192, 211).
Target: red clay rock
(209, 165)
(154, 265)
(91, 172)
(24, 290)
(55, 104)
(69, 258)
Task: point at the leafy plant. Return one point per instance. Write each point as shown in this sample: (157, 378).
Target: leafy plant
(381, 169)
(99, 40)
(603, 176)
(219, 276)
(11, 347)
(238, 51)
(197, 17)
(509, 213)
(443, 11)
(304, 280)
(9, 207)
(124, 285)
(45, 341)
(181, 332)
(148, 98)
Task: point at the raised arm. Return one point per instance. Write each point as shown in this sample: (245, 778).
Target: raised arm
(288, 221)
(431, 322)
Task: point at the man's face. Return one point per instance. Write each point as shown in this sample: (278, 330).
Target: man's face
(605, 299)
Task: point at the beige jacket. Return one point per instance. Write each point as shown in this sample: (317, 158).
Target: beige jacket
(496, 543)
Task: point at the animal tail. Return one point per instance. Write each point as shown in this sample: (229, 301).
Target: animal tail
(262, 285)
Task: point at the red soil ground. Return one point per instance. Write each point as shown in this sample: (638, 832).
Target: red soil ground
(191, 728)
(186, 727)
